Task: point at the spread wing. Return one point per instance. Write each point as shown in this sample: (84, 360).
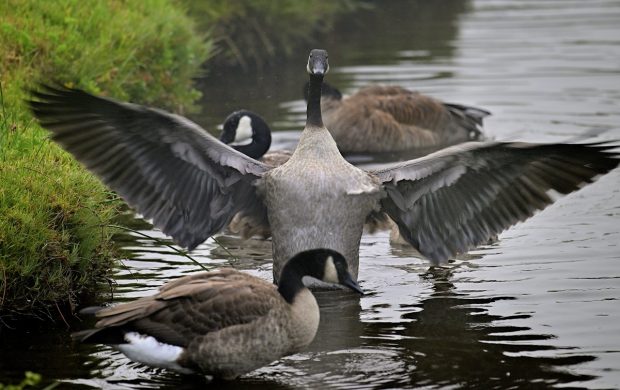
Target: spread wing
(186, 308)
(457, 198)
(165, 166)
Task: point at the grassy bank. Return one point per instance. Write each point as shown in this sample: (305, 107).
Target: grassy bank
(53, 239)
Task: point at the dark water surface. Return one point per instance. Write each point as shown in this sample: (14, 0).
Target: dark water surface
(539, 308)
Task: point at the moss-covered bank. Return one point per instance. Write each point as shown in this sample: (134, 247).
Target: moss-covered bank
(54, 242)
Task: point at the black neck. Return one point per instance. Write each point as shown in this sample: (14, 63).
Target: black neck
(261, 140)
(293, 271)
(314, 101)
(290, 284)
(327, 91)
(250, 150)
(257, 148)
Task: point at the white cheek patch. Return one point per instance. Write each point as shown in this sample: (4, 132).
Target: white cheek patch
(330, 274)
(243, 134)
(147, 350)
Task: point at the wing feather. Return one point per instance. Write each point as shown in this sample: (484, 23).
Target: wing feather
(457, 198)
(189, 307)
(165, 166)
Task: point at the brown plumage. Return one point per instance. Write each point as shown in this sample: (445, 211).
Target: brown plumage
(223, 323)
(391, 118)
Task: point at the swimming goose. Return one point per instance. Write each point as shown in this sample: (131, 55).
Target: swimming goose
(248, 133)
(191, 185)
(223, 323)
(391, 118)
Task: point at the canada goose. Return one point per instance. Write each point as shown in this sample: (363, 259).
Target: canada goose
(248, 133)
(391, 118)
(191, 185)
(222, 323)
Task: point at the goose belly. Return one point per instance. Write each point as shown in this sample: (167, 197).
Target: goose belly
(239, 349)
(315, 208)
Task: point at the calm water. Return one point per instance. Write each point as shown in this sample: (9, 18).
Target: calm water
(539, 308)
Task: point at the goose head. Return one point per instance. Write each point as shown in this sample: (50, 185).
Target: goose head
(326, 265)
(331, 267)
(317, 63)
(247, 132)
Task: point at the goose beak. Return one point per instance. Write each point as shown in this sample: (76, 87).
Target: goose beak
(350, 283)
(319, 69)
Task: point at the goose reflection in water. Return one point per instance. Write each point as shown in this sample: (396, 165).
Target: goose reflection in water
(447, 339)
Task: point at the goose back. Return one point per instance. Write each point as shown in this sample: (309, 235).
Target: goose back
(391, 118)
(318, 199)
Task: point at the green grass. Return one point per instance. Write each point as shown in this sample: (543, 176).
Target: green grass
(54, 243)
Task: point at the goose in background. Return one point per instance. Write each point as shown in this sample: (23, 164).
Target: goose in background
(191, 185)
(381, 118)
(248, 133)
(223, 323)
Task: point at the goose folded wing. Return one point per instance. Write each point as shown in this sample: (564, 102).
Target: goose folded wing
(187, 308)
(452, 200)
(165, 166)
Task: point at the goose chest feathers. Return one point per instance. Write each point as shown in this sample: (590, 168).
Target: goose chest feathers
(223, 323)
(191, 185)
